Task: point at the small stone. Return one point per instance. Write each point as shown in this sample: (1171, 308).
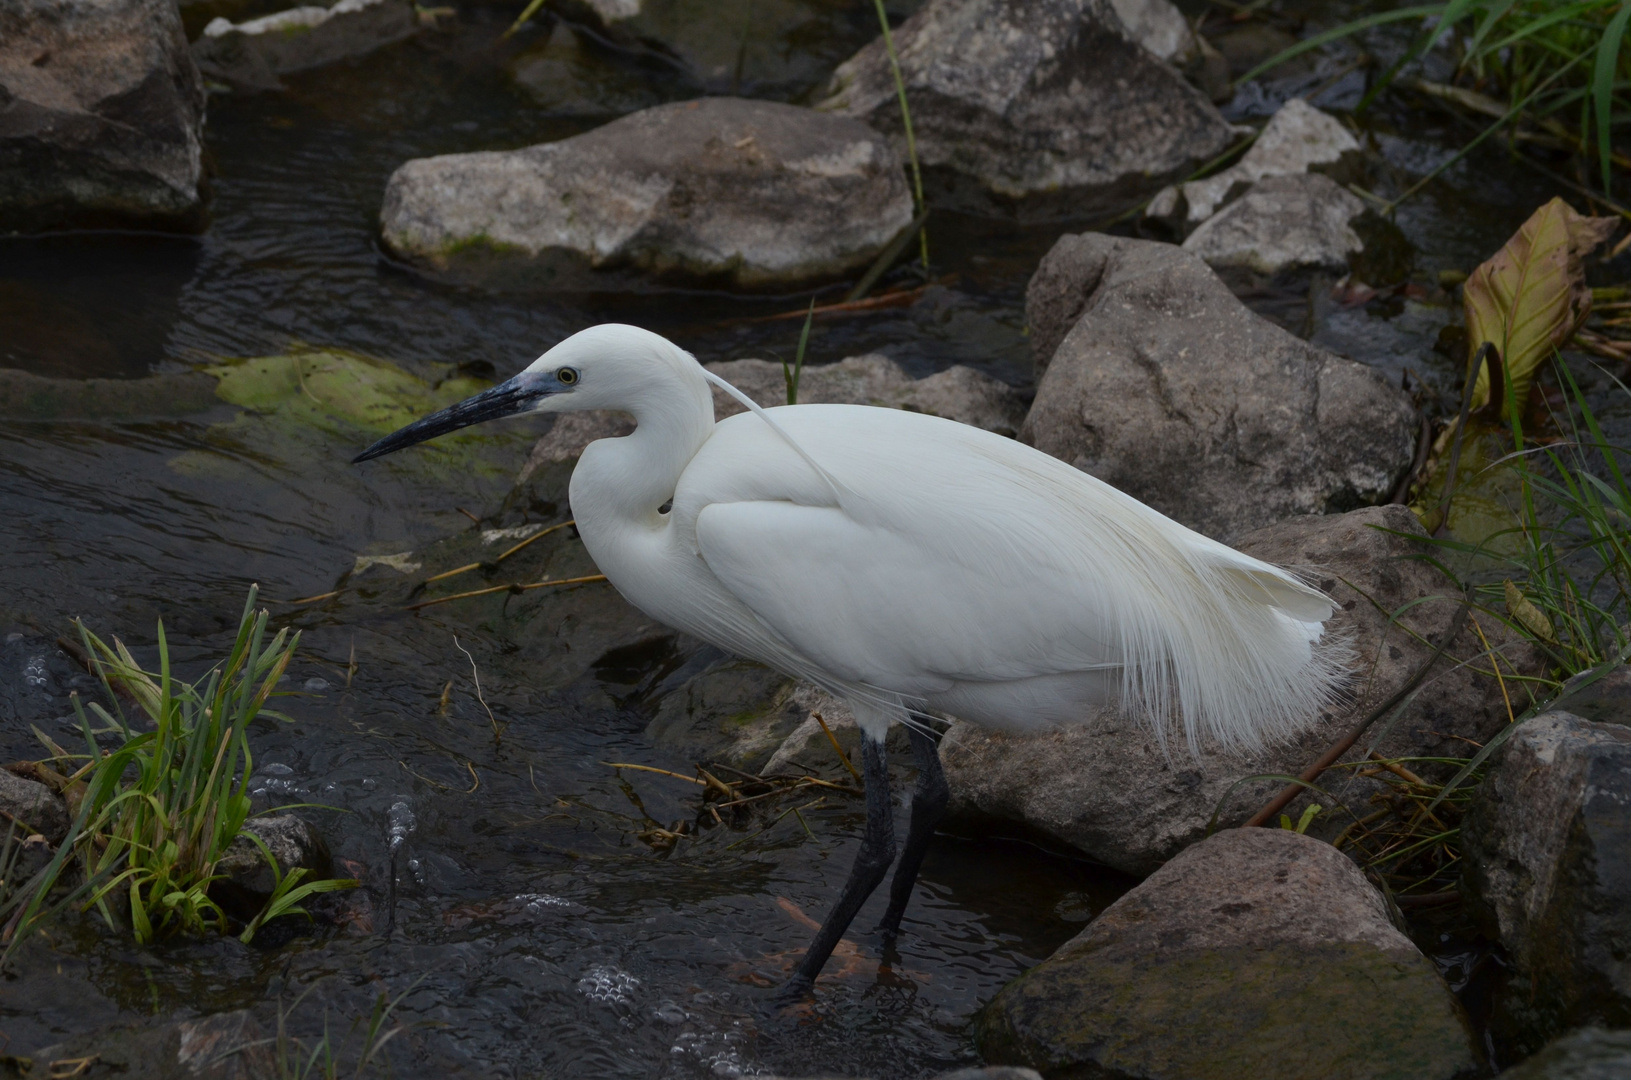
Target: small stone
(247, 879)
(1256, 953)
(33, 804)
(1296, 139)
(251, 55)
(1282, 223)
(1159, 26)
(1547, 850)
(1156, 379)
(750, 194)
(1042, 107)
(103, 116)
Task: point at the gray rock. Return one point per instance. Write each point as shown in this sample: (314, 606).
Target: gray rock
(1159, 26)
(1588, 1054)
(248, 880)
(958, 393)
(225, 1046)
(34, 805)
(251, 55)
(737, 714)
(1282, 223)
(101, 116)
(990, 1072)
(1296, 139)
(1168, 387)
(1606, 700)
(1108, 790)
(1047, 108)
(1256, 953)
(1547, 850)
(751, 194)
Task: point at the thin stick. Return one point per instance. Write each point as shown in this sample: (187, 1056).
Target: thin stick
(652, 768)
(506, 588)
(839, 750)
(465, 569)
(1344, 744)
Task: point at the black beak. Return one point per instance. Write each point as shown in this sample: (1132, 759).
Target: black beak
(505, 399)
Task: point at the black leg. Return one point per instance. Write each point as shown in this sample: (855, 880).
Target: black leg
(871, 864)
(928, 807)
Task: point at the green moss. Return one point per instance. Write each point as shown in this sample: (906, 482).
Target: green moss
(479, 245)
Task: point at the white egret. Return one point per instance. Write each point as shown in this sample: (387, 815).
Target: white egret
(908, 563)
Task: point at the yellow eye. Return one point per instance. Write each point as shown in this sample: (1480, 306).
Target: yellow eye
(567, 376)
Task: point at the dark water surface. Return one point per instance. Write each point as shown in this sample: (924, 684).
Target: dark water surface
(511, 905)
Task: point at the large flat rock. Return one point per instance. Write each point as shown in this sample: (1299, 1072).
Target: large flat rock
(1257, 954)
(1108, 789)
(1547, 844)
(1157, 380)
(747, 194)
(1044, 107)
(101, 116)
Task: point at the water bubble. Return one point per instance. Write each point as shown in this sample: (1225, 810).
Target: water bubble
(316, 686)
(34, 673)
(402, 822)
(608, 985)
(274, 768)
(369, 783)
(538, 903)
(669, 1013)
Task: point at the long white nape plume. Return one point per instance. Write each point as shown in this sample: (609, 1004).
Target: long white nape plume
(753, 406)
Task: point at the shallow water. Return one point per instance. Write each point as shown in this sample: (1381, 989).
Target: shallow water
(509, 903)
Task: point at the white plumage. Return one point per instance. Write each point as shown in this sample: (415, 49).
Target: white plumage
(906, 562)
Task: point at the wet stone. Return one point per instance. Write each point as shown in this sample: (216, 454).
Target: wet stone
(251, 55)
(293, 842)
(1283, 223)
(1257, 953)
(33, 804)
(1156, 379)
(1297, 139)
(1547, 846)
(1046, 109)
(1109, 790)
(26, 396)
(104, 114)
(747, 194)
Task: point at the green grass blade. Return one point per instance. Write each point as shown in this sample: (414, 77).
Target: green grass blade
(1602, 88)
(1337, 34)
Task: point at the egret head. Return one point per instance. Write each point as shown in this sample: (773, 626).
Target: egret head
(603, 367)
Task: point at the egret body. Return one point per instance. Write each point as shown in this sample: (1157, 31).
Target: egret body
(907, 563)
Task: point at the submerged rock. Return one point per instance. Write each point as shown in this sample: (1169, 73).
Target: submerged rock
(1589, 1054)
(27, 396)
(225, 1046)
(252, 54)
(1283, 223)
(958, 393)
(1256, 953)
(1048, 108)
(1547, 849)
(1155, 378)
(756, 48)
(1108, 788)
(750, 194)
(103, 115)
(34, 805)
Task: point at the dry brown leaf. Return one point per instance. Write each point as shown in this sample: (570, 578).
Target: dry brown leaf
(1532, 296)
